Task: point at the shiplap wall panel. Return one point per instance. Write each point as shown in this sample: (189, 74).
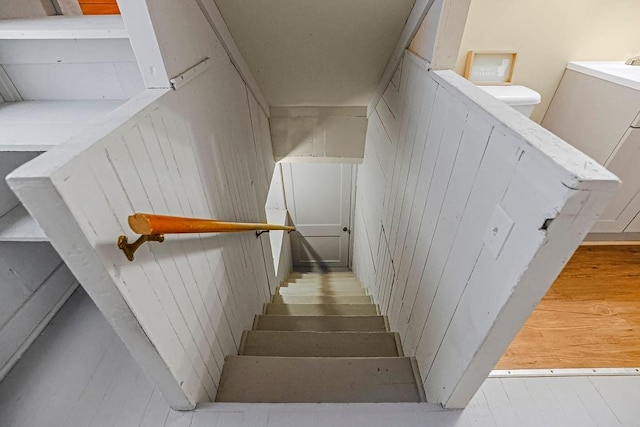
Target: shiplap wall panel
(201, 151)
(71, 69)
(445, 168)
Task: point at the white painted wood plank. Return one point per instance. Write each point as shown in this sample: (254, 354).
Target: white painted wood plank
(18, 226)
(499, 403)
(548, 406)
(138, 144)
(215, 19)
(93, 395)
(76, 81)
(179, 419)
(520, 397)
(104, 222)
(64, 27)
(67, 7)
(8, 91)
(137, 399)
(27, 323)
(136, 18)
(67, 51)
(9, 161)
(591, 402)
(160, 155)
(18, 269)
(464, 175)
(449, 136)
(173, 313)
(621, 396)
(411, 26)
(32, 112)
(156, 412)
(63, 358)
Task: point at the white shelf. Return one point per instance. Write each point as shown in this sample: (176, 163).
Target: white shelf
(64, 27)
(42, 125)
(18, 226)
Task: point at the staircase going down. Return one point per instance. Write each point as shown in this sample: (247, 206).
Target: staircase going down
(320, 340)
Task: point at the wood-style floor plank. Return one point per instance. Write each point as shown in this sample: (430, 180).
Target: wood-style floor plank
(99, 7)
(589, 318)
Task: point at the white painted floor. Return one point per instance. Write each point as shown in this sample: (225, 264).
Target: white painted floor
(78, 373)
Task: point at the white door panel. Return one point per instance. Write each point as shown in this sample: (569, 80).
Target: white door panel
(319, 200)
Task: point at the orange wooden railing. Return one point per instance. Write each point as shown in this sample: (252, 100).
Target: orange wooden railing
(154, 227)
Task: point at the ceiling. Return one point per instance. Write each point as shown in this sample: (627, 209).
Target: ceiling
(316, 52)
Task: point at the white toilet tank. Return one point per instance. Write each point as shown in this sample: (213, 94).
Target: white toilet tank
(521, 98)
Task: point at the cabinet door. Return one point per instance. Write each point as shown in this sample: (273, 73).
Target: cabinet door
(624, 162)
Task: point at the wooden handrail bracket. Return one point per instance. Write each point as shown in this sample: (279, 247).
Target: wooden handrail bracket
(153, 228)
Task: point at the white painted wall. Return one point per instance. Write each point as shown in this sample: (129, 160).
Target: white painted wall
(451, 201)
(316, 53)
(203, 150)
(548, 34)
(320, 134)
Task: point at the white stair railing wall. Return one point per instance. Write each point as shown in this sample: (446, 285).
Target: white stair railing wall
(466, 211)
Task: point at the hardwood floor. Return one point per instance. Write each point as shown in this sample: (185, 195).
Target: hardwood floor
(99, 7)
(589, 318)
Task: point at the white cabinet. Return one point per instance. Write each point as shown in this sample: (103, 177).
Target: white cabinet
(625, 163)
(599, 117)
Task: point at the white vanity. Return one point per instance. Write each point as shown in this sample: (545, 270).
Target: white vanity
(597, 109)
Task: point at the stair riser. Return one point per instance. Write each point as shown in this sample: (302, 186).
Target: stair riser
(321, 323)
(318, 275)
(324, 281)
(297, 299)
(318, 292)
(322, 309)
(329, 286)
(320, 344)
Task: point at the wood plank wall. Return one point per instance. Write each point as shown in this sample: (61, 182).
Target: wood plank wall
(99, 7)
(193, 295)
(203, 150)
(445, 168)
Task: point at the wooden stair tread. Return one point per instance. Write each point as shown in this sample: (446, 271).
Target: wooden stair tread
(320, 323)
(321, 309)
(263, 379)
(320, 344)
(320, 340)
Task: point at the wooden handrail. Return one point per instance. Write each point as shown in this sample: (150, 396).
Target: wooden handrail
(154, 227)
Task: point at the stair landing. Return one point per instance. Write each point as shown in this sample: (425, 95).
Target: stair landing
(320, 340)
